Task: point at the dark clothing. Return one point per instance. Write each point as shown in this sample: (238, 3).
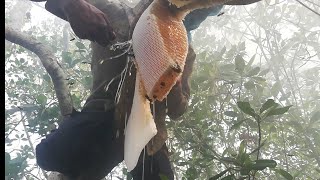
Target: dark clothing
(82, 146)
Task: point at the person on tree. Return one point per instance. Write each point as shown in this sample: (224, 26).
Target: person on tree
(85, 141)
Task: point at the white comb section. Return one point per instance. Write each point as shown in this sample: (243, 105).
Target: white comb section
(140, 128)
(151, 56)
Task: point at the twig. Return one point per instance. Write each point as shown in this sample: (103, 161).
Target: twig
(284, 149)
(241, 2)
(308, 7)
(14, 128)
(260, 136)
(313, 3)
(30, 143)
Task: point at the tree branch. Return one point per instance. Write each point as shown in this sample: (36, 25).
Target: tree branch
(25, 107)
(304, 5)
(137, 12)
(49, 62)
(141, 6)
(241, 2)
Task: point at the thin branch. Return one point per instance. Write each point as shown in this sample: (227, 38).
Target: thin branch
(15, 126)
(26, 107)
(284, 149)
(260, 137)
(34, 176)
(49, 62)
(313, 3)
(308, 7)
(241, 2)
(30, 143)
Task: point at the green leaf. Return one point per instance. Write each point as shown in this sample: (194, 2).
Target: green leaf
(261, 164)
(217, 176)
(80, 51)
(88, 81)
(7, 165)
(242, 147)
(30, 156)
(229, 177)
(125, 172)
(129, 176)
(244, 171)
(229, 160)
(223, 50)
(239, 64)
(249, 85)
(278, 111)
(251, 61)
(259, 79)
(243, 159)
(42, 99)
(264, 72)
(227, 67)
(47, 78)
(80, 45)
(75, 62)
(285, 174)
(253, 71)
(237, 124)
(246, 108)
(7, 157)
(182, 163)
(192, 173)
(242, 46)
(231, 114)
(163, 177)
(275, 89)
(315, 117)
(66, 57)
(268, 104)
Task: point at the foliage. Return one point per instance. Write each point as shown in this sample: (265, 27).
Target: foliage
(29, 89)
(254, 110)
(255, 96)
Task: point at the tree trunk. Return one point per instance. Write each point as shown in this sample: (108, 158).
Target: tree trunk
(120, 17)
(123, 20)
